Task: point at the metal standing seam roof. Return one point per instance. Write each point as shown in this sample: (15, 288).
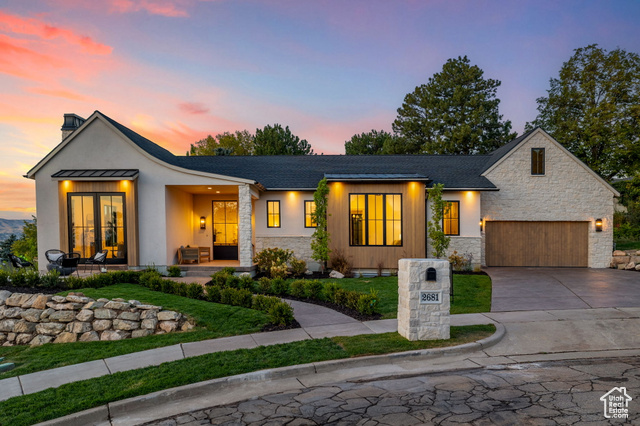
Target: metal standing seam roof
(96, 173)
(302, 172)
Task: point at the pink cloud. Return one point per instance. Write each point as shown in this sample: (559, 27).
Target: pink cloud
(59, 93)
(167, 8)
(193, 108)
(30, 26)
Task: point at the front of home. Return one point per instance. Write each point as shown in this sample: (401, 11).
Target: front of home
(530, 203)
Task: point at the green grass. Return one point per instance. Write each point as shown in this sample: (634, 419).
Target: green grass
(74, 397)
(472, 293)
(213, 321)
(627, 245)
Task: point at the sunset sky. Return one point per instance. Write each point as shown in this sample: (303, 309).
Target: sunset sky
(177, 70)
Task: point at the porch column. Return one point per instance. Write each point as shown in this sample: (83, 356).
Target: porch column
(244, 226)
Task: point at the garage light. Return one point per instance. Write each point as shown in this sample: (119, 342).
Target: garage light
(203, 222)
(480, 224)
(598, 225)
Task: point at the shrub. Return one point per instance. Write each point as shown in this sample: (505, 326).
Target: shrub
(194, 291)
(147, 276)
(166, 286)
(212, 293)
(279, 286)
(264, 285)
(220, 278)
(273, 261)
(352, 300)
(296, 289)
(226, 295)
(179, 289)
(461, 262)
(236, 297)
(4, 277)
(264, 303)
(313, 289)
(228, 270)
(31, 278)
(174, 271)
(330, 290)
(72, 282)
(368, 303)
(246, 282)
(232, 282)
(18, 278)
(340, 263)
(281, 314)
(340, 297)
(298, 266)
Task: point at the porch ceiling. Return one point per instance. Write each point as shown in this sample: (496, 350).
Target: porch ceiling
(207, 189)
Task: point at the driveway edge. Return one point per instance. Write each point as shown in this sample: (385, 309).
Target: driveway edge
(99, 416)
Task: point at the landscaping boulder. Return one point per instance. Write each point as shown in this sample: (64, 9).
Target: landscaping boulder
(4, 295)
(619, 253)
(41, 301)
(7, 325)
(114, 335)
(40, 340)
(129, 316)
(85, 315)
(119, 324)
(168, 326)
(62, 316)
(105, 314)
(23, 338)
(336, 274)
(141, 333)
(78, 327)
(50, 328)
(101, 325)
(32, 315)
(90, 336)
(630, 266)
(66, 337)
(18, 299)
(169, 316)
(149, 324)
(117, 305)
(24, 327)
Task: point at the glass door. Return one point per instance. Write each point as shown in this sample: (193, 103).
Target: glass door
(97, 222)
(225, 230)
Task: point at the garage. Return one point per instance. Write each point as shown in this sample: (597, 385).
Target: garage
(548, 244)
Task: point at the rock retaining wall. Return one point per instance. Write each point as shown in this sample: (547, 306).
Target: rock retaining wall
(629, 260)
(36, 319)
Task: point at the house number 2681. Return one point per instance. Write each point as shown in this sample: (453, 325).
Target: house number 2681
(430, 297)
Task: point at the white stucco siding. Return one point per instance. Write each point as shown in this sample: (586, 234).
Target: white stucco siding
(180, 222)
(291, 214)
(566, 192)
(469, 240)
(99, 146)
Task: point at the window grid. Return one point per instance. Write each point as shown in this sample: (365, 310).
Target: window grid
(537, 161)
(273, 214)
(451, 219)
(309, 209)
(375, 219)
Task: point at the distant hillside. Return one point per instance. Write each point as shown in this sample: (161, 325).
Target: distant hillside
(10, 226)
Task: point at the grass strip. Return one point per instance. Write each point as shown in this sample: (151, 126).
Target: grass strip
(79, 396)
(472, 293)
(214, 320)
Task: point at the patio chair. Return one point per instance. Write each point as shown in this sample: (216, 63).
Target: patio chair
(99, 258)
(19, 263)
(65, 263)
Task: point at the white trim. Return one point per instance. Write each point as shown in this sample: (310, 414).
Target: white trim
(562, 148)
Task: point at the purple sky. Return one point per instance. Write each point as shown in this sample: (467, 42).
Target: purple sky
(177, 70)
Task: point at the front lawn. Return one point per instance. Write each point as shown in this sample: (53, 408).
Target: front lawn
(213, 320)
(627, 245)
(74, 397)
(472, 293)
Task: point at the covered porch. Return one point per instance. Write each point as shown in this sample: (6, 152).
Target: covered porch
(209, 227)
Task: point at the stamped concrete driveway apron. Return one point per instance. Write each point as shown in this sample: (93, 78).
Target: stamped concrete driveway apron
(529, 289)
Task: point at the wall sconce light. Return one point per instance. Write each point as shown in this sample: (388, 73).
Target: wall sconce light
(480, 224)
(203, 222)
(598, 225)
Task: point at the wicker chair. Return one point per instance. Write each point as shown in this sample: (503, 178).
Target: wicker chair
(19, 263)
(100, 258)
(65, 263)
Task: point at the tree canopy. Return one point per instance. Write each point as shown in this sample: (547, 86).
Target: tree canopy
(377, 143)
(593, 109)
(456, 112)
(275, 140)
(237, 143)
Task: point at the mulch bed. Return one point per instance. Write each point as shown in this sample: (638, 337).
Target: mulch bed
(33, 290)
(273, 327)
(470, 273)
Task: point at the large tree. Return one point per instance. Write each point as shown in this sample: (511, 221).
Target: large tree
(593, 109)
(377, 143)
(275, 140)
(237, 143)
(456, 112)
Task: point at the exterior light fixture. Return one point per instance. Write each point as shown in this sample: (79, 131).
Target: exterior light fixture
(203, 222)
(480, 224)
(598, 225)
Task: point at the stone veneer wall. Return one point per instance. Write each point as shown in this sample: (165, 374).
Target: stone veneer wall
(301, 246)
(567, 192)
(36, 319)
(464, 245)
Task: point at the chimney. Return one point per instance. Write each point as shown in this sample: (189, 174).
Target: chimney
(71, 123)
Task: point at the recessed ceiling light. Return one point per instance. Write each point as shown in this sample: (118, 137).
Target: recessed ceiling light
(217, 192)
(209, 188)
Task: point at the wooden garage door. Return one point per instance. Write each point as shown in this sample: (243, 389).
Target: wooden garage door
(537, 243)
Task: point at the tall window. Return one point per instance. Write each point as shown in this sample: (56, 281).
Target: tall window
(273, 214)
(97, 222)
(537, 161)
(309, 210)
(375, 219)
(451, 219)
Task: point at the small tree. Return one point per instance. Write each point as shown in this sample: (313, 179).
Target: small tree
(439, 208)
(27, 245)
(320, 238)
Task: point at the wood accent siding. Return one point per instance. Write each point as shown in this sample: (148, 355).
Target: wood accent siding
(413, 223)
(547, 244)
(131, 206)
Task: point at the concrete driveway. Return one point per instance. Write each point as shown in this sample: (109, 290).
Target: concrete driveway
(531, 289)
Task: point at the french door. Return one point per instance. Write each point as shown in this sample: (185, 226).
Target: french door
(97, 221)
(225, 230)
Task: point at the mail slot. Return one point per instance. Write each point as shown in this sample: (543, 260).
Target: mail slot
(431, 274)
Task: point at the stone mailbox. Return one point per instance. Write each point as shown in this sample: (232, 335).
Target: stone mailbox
(423, 299)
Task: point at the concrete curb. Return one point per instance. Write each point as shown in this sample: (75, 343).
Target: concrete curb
(99, 416)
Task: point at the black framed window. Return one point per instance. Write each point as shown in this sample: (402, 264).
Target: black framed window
(97, 221)
(375, 219)
(537, 161)
(451, 219)
(273, 214)
(309, 210)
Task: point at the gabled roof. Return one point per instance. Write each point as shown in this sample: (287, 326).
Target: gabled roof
(496, 155)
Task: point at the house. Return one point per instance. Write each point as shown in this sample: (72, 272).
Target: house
(529, 203)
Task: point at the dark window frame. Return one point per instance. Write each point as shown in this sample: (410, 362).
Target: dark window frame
(457, 219)
(98, 223)
(279, 214)
(304, 207)
(537, 163)
(365, 229)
